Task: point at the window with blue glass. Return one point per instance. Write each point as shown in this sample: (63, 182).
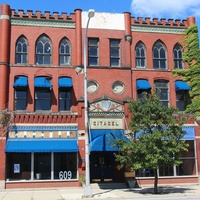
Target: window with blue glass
(21, 51)
(114, 53)
(159, 56)
(93, 51)
(43, 50)
(140, 55)
(64, 52)
(178, 61)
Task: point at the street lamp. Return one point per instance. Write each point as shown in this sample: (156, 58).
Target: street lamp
(87, 188)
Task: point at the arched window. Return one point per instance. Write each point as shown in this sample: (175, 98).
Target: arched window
(43, 50)
(178, 62)
(159, 56)
(64, 52)
(140, 55)
(21, 51)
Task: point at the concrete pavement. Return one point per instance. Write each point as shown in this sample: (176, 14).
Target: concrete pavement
(101, 193)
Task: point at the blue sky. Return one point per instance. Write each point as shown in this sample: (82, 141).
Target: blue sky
(174, 9)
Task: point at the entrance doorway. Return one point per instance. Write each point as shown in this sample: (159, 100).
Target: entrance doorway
(102, 167)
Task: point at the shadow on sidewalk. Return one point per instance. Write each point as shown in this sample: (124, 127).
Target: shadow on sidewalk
(162, 190)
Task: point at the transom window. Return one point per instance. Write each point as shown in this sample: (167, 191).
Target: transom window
(64, 52)
(140, 55)
(159, 56)
(115, 53)
(43, 51)
(162, 89)
(178, 62)
(93, 51)
(21, 51)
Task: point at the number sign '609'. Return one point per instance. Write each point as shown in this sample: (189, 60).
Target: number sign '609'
(65, 175)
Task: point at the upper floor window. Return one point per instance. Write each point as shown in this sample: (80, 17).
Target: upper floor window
(42, 93)
(65, 52)
(43, 51)
(142, 86)
(182, 94)
(114, 53)
(93, 51)
(140, 55)
(20, 85)
(65, 85)
(162, 89)
(159, 56)
(178, 62)
(21, 51)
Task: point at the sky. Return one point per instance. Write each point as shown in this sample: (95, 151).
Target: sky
(169, 9)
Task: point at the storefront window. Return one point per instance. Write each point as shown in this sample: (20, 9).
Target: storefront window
(187, 168)
(145, 173)
(18, 166)
(65, 166)
(62, 165)
(42, 165)
(188, 161)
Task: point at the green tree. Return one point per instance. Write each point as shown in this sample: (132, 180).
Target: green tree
(191, 58)
(156, 137)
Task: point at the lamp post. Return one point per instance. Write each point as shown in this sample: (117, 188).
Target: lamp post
(87, 188)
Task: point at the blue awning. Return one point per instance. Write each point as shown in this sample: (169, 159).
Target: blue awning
(41, 145)
(21, 81)
(64, 82)
(103, 140)
(143, 85)
(42, 82)
(181, 85)
(190, 135)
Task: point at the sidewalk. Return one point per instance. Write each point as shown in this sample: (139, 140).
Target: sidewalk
(99, 193)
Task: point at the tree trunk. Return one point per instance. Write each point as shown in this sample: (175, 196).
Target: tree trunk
(156, 181)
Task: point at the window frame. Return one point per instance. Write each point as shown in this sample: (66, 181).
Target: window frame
(66, 100)
(159, 61)
(67, 52)
(21, 57)
(20, 100)
(95, 47)
(115, 52)
(182, 100)
(159, 88)
(178, 59)
(138, 55)
(44, 57)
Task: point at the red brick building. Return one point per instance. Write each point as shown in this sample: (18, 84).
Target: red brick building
(41, 78)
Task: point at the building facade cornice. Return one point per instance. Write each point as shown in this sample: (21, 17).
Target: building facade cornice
(156, 29)
(43, 23)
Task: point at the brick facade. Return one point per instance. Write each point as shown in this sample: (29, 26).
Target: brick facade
(33, 25)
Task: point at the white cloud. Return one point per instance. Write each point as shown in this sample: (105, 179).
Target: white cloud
(176, 9)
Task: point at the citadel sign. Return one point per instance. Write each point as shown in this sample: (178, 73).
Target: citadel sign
(106, 123)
